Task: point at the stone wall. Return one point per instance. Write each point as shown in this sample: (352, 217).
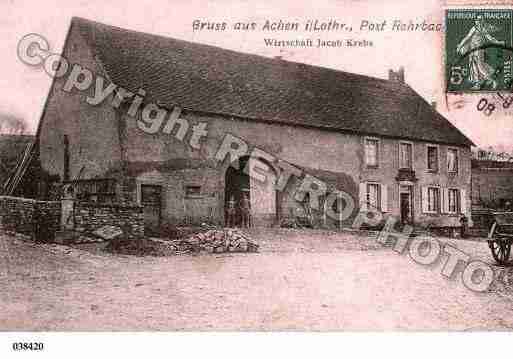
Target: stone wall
(39, 219)
(42, 219)
(88, 217)
(48, 219)
(17, 214)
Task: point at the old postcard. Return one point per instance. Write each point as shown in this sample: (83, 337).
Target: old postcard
(229, 165)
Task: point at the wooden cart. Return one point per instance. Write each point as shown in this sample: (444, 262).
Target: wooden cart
(500, 236)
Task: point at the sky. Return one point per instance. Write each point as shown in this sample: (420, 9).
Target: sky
(24, 88)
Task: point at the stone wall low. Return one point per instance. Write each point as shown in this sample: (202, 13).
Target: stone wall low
(17, 214)
(39, 219)
(48, 219)
(88, 217)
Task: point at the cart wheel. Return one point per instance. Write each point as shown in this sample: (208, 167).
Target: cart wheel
(500, 251)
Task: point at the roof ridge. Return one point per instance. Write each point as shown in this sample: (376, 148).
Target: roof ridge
(270, 59)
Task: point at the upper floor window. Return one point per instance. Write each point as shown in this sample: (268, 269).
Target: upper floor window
(432, 158)
(452, 160)
(371, 152)
(405, 155)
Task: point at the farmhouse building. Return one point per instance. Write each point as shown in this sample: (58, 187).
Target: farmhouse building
(374, 139)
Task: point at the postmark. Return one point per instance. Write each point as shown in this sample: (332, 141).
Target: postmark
(478, 50)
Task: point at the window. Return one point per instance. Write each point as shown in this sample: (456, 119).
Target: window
(405, 155)
(433, 200)
(373, 196)
(192, 191)
(453, 200)
(371, 152)
(432, 158)
(452, 160)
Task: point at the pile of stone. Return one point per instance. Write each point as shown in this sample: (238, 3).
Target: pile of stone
(220, 240)
(210, 241)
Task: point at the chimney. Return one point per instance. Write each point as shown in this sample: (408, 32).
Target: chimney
(397, 76)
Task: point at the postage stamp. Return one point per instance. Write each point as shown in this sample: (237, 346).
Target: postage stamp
(478, 50)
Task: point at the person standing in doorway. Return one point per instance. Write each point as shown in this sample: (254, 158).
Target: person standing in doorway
(464, 226)
(245, 207)
(230, 213)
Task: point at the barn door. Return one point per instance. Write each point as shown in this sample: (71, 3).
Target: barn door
(151, 202)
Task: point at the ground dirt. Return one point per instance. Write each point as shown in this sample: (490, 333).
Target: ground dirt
(300, 280)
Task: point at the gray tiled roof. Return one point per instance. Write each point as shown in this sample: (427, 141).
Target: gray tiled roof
(215, 80)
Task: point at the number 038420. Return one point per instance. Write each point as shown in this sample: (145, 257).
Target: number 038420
(20, 346)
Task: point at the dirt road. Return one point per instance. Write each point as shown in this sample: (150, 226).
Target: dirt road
(299, 281)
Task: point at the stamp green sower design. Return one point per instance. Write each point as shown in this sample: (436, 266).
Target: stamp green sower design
(478, 48)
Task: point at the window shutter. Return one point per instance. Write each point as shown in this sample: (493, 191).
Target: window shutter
(384, 198)
(424, 199)
(463, 201)
(363, 196)
(445, 200)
